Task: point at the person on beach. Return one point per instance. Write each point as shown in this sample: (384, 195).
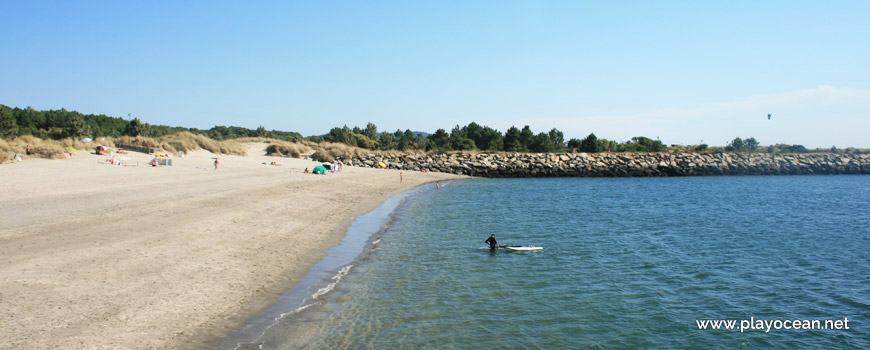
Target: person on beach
(216, 163)
(29, 152)
(307, 171)
(492, 242)
(401, 177)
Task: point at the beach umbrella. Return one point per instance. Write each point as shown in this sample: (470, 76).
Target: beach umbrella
(319, 170)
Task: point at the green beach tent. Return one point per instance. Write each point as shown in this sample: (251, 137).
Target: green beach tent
(319, 170)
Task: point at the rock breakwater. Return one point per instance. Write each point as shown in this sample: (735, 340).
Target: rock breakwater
(499, 165)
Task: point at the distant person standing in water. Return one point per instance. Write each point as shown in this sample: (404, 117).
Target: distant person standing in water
(492, 242)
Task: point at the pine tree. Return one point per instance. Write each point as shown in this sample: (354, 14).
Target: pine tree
(8, 127)
(589, 144)
(136, 128)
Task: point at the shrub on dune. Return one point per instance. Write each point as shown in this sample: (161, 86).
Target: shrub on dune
(328, 151)
(286, 149)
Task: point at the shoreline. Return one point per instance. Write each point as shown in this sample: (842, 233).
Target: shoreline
(172, 257)
(257, 308)
(359, 241)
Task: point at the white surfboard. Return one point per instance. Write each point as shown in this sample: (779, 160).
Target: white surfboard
(515, 248)
(522, 249)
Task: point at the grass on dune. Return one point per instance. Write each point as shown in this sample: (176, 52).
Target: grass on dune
(38, 147)
(180, 142)
(186, 142)
(287, 149)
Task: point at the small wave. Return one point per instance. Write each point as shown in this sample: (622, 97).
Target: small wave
(277, 320)
(320, 292)
(296, 311)
(337, 278)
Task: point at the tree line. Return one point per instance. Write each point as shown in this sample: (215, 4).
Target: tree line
(752, 145)
(61, 124)
(483, 138)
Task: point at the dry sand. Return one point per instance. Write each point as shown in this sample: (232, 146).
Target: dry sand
(97, 256)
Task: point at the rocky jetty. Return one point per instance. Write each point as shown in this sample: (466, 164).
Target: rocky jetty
(620, 164)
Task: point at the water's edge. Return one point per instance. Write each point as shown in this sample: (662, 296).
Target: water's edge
(361, 238)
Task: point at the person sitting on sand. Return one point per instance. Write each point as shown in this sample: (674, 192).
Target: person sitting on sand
(307, 171)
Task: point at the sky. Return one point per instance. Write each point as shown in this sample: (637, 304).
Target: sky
(686, 72)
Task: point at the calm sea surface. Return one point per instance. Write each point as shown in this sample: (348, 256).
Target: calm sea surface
(627, 263)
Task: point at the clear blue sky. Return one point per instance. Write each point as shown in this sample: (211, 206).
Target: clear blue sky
(682, 71)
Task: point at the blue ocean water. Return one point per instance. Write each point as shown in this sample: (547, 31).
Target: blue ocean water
(627, 263)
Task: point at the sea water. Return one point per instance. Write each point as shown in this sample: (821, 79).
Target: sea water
(627, 263)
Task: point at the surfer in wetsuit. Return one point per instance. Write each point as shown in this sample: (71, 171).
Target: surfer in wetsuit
(492, 242)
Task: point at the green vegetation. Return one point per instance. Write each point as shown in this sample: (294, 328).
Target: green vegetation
(62, 124)
(741, 145)
(750, 145)
(474, 137)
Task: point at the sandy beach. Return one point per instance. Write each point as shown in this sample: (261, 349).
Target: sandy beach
(100, 256)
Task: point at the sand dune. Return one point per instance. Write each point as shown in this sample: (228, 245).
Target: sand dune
(101, 256)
